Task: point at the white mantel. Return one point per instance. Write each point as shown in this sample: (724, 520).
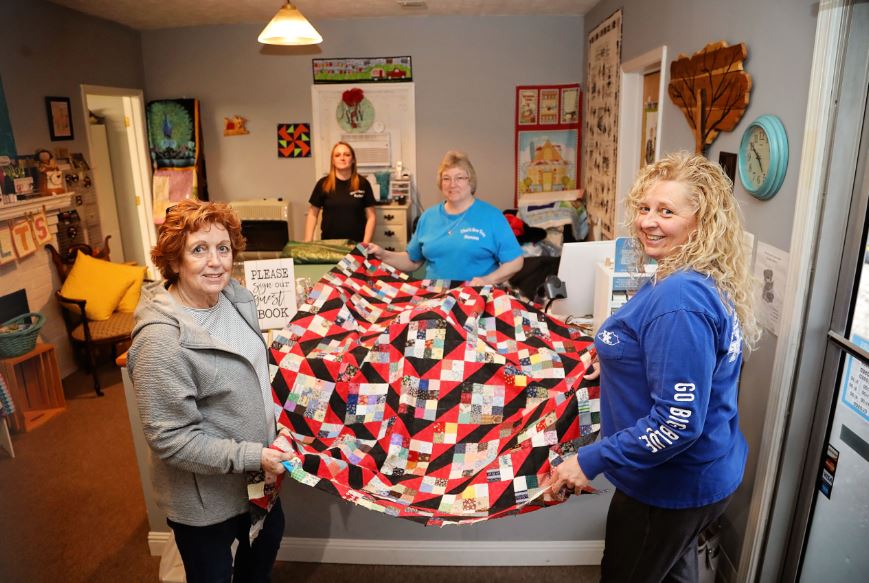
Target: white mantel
(36, 274)
(51, 203)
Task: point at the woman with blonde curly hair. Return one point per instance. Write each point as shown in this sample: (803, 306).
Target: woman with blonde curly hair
(200, 371)
(669, 372)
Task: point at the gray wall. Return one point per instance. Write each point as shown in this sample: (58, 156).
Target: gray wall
(465, 71)
(45, 50)
(780, 38)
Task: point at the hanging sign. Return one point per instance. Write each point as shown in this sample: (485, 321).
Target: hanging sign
(273, 285)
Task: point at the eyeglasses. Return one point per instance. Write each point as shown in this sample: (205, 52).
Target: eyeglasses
(454, 179)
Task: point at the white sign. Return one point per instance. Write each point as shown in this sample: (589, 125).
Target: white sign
(856, 389)
(273, 285)
(771, 268)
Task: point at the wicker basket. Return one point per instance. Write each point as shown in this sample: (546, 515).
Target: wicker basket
(21, 341)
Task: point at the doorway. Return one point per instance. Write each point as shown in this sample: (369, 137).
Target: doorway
(835, 499)
(118, 154)
(815, 441)
(644, 82)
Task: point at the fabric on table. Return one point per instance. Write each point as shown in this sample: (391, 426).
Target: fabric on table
(7, 406)
(439, 405)
(324, 251)
(558, 214)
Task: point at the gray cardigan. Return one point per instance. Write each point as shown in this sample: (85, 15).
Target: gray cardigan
(201, 408)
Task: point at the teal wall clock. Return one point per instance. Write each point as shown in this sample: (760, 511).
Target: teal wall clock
(763, 157)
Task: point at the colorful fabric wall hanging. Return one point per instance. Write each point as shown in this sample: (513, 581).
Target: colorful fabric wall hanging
(175, 137)
(294, 140)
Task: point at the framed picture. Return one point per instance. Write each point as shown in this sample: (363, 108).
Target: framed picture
(59, 118)
(727, 161)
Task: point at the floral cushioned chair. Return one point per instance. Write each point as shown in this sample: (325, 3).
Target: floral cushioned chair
(98, 299)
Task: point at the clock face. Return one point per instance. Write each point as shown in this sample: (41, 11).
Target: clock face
(763, 157)
(758, 157)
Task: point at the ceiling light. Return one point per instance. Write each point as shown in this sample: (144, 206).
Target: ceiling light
(289, 27)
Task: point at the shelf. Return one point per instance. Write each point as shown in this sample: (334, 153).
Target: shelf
(54, 202)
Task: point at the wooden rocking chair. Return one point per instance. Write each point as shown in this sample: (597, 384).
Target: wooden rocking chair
(86, 335)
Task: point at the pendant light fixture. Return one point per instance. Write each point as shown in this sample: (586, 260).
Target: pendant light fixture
(289, 27)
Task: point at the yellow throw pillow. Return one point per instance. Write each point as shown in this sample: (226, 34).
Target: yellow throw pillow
(131, 297)
(100, 282)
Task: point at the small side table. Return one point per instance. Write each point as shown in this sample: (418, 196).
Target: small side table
(33, 380)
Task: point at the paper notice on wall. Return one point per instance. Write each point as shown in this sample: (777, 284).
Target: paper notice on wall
(855, 395)
(771, 269)
(273, 285)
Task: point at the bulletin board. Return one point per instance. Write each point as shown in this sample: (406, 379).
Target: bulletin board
(383, 110)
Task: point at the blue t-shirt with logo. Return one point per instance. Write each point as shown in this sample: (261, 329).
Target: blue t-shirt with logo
(463, 246)
(670, 361)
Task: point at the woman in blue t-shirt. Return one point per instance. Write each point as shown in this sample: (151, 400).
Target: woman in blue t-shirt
(463, 238)
(669, 371)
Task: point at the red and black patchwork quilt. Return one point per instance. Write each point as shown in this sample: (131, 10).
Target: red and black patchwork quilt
(436, 404)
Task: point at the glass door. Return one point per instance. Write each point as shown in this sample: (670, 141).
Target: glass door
(839, 528)
(835, 540)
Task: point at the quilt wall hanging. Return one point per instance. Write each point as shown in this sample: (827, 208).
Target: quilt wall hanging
(436, 404)
(548, 119)
(294, 140)
(603, 80)
(175, 138)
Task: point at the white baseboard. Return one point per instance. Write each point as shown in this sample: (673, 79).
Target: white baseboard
(441, 553)
(156, 542)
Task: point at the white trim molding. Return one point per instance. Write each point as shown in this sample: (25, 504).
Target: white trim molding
(428, 552)
(631, 122)
(817, 136)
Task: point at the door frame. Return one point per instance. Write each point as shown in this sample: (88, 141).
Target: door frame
(800, 348)
(631, 122)
(140, 161)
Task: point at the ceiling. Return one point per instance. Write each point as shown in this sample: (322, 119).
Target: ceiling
(155, 14)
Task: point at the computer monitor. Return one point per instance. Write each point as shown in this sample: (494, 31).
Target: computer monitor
(576, 270)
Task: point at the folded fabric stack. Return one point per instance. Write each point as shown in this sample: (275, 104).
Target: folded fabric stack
(439, 405)
(324, 251)
(557, 214)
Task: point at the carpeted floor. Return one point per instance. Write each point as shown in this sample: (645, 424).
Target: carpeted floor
(71, 509)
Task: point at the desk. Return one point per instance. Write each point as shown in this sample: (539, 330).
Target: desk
(33, 380)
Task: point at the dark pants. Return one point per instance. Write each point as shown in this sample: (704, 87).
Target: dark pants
(650, 544)
(207, 554)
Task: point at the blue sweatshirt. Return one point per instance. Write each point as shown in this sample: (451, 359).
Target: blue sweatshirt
(670, 361)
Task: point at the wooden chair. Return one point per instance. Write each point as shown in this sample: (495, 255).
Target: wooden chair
(87, 335)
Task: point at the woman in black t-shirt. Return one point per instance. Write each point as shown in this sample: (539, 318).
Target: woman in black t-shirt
(346, 199)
